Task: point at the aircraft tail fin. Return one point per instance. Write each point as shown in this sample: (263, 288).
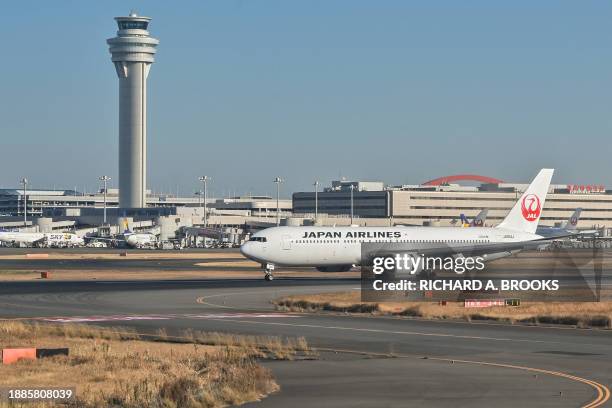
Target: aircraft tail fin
(525, 214)
(480, 219)
(572, 221)
(126, 227)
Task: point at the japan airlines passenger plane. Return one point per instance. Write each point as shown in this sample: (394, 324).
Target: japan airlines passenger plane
(339, 248)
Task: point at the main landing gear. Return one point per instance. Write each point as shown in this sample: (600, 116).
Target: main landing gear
(268, 269)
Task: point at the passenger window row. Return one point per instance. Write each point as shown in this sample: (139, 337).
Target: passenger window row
(411, 241)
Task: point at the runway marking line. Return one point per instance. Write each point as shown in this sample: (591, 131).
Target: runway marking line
(413, 333)
(603, 392)
(131, 317)
(201, 300)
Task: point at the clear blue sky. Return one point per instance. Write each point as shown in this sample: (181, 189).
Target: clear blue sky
(246, 90)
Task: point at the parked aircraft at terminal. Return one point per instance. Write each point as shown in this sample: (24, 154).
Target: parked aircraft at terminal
(568, 227)
(130, 238)
(62, 239)
(52, 239)
(478, 221)
(339, 248)
(139, 239)
(21, 238)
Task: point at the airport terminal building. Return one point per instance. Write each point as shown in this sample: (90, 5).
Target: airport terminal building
(87, 208)
(442, 201)
(438, 202)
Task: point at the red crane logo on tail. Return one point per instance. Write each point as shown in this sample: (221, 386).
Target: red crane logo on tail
(530, 207)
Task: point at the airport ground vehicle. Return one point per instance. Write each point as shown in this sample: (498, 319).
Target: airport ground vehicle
(97, 244)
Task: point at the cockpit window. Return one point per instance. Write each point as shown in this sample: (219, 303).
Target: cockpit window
(258, 239)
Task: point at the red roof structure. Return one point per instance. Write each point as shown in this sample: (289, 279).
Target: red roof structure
(457, 177)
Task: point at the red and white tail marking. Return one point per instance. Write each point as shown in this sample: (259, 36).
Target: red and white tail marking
(526, 213)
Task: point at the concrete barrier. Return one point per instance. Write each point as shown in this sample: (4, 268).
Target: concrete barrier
(12, 355)
(50, 352)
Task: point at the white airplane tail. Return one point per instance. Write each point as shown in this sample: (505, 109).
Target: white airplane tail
(126, 226)
(480, 219)
(526, 213)
(572, 221)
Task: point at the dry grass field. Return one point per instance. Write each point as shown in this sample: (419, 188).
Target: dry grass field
(119, 368)
(581, 314)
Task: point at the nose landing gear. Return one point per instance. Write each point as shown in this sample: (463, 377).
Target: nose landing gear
(268, 269)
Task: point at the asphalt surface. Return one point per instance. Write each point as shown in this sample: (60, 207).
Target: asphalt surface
(575, 268)
(106, 264)
(365, 361)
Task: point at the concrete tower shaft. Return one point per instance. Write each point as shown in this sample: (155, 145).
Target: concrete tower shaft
(133, 51)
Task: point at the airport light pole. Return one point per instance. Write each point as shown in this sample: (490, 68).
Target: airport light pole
(352, 187)
(204, 180)
(24, 181)
(105, 180)
(278, 181)
(316, 186)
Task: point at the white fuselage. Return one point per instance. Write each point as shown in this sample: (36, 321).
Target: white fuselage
(139, 240)
(49, 238)
(21, 237)
(63, 239)
(326, 246)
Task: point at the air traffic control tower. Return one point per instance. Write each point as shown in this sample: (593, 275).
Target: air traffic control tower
(133, 51)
